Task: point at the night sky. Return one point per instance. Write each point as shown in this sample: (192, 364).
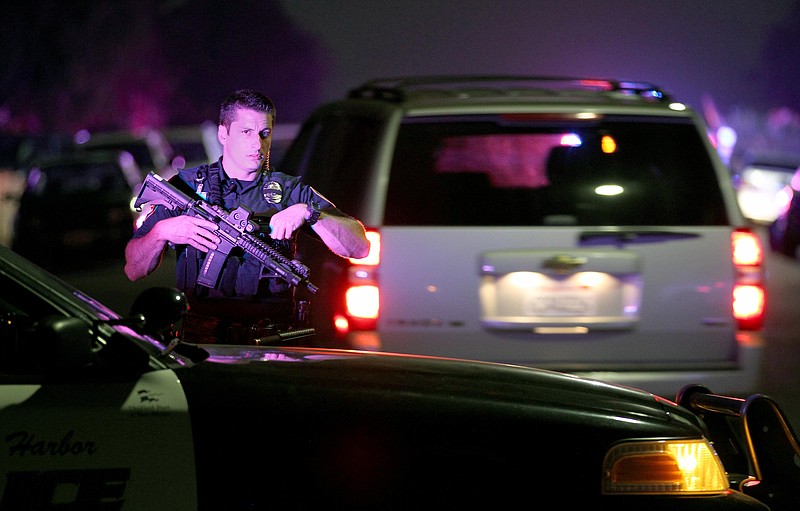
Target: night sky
(103, 64)
(691, 48)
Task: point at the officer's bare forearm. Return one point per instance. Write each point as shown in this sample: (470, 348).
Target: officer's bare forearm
(344, 235)
(143, 255)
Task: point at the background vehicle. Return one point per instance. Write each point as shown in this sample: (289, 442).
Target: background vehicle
(581, 225)
(193, 145)
(166, 150)
(16, 154)
(283, 135)
(149, 148)
(103, 411)
(760, 186)
(784, 232)
(77, 210)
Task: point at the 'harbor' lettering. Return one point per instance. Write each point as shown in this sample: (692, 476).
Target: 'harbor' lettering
(23, 443)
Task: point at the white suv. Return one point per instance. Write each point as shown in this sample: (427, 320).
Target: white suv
(580, 225)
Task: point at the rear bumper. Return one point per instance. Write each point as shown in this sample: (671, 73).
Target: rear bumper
(739, 377)
(741, 380)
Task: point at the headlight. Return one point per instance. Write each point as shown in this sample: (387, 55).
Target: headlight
(685, 467)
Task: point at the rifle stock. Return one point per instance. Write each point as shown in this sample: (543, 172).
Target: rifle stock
(234, 229)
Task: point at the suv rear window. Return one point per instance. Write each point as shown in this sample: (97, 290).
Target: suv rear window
(551, 170)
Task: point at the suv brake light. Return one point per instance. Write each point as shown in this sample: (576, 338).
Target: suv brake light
(374, 256)
(361, 294)
(749, 296)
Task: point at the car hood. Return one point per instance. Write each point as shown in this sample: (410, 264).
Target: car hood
(363, 374)
(352, 423)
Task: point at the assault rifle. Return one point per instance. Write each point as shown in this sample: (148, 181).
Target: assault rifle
(235, 229)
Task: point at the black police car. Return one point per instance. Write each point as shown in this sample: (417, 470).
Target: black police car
(98, 411)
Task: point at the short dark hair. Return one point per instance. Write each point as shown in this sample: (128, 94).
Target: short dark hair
(244, 99)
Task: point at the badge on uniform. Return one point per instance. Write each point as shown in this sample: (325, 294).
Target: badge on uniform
(272, 192)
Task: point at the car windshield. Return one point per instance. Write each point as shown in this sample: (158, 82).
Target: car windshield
(28, 294)
(533, 170)
(73, 178)
(139, 151)
(44, 295)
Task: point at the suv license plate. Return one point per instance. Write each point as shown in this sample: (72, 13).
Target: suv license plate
(570, 303)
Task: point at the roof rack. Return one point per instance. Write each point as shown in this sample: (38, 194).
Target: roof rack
(398, 88)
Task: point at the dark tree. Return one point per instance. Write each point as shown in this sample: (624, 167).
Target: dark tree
(129, 63)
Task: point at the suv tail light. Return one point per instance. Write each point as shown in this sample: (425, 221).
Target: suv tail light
(361, 294)
(749, 296)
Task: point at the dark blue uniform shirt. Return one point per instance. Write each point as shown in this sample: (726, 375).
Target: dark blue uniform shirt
(269, 193)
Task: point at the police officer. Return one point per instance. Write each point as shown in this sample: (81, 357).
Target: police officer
(243, 306)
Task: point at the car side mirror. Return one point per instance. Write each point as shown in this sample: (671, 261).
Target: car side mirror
(161, 308)
(62, 343)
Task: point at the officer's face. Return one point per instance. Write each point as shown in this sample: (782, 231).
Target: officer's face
(247, 142)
